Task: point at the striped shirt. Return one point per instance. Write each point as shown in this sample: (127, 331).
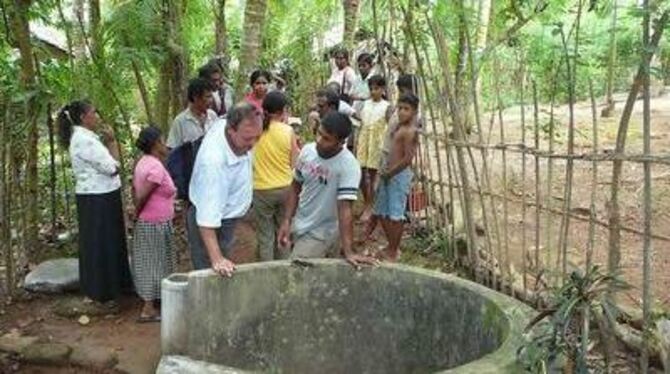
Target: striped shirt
(324, 182)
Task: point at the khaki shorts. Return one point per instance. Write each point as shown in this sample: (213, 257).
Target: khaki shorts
(308, 246)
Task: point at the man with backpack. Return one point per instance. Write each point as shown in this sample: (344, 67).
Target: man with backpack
(221, 187)
(197, 118)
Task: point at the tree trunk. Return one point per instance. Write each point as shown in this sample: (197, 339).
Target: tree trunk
(52, 172)
(79, 14)
(611, 65)
(614, 242)
(351, 8)
(19, 24)
(254, 19)
(94, 29)
(163, 96)
(221, 38)
(177, 51)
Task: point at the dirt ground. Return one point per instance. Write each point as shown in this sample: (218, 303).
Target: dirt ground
(520, 186)
(138, 345)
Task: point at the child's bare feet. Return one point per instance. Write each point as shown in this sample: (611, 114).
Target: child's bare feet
(367, 214)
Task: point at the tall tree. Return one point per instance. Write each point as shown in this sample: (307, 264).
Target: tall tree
(220, 27)
(18, 13)
(351, 8)
(254, 19)
(178, 53)
(611, 64)
(94, 27)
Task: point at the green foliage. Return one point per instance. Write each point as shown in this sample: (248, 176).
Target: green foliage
(558, 329)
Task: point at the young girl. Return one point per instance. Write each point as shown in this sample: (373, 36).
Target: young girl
(259, 81)
(274, 156)
(153, 247)
(375, 116)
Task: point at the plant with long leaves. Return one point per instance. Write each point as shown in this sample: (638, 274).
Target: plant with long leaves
(557, 331)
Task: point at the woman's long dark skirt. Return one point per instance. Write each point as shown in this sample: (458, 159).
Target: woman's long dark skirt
(104, 272)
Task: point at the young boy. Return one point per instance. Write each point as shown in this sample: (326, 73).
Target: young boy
(396, 176)
(318, 219)
(406, 84)
(375, 115)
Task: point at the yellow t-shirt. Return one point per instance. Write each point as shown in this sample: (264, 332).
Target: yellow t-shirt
(272, 157)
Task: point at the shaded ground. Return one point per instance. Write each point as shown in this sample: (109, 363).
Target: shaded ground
(137, 345)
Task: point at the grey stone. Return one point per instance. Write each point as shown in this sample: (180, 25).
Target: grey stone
(54, 276)
(663, 328)
(93, 357)
(185, 365)
(325, 316)
(46, 353)
(14, 343)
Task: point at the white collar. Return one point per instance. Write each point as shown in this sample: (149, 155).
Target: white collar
(86, 132)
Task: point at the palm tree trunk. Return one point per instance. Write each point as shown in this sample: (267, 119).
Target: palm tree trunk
(20, 30)
(611, 65)
(351, 8)
(220, 35)
(254, 19)
(94, 27)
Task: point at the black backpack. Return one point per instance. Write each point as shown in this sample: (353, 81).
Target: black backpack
(180, 163)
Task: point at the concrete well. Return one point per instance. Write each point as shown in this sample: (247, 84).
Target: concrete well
(323, 316)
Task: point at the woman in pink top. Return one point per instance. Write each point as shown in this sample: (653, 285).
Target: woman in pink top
(153, 249)
(259, 81)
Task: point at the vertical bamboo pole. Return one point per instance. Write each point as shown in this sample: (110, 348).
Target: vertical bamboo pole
(505, 273)
(433, 117)
(592, 210)
(486, 180)
(538, 189)
(569, 170)
(458, 117)
(647, 212)
(522, 103)
(550, 171)
(443, 113)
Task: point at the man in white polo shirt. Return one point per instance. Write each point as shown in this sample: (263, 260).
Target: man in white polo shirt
(221, 186)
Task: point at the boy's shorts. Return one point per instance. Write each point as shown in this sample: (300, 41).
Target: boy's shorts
(391, 197)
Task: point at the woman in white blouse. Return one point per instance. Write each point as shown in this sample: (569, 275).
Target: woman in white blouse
(103, 256)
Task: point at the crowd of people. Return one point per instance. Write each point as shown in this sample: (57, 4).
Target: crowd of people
(245, 157)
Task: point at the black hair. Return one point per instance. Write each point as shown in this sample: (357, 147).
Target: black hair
(274, 102)
(409, 99)
(332, 98)
(206, 71)
(409, 82)
(259, 73)
(197, 87)
(69, 116)
(239, 113)
(338, 124)
(377, 80)
(341, 51)
(147, 138)
(368, 58)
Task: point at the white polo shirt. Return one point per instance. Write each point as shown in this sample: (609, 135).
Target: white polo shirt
(221, 185)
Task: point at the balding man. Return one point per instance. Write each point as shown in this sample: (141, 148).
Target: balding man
(221, 187)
